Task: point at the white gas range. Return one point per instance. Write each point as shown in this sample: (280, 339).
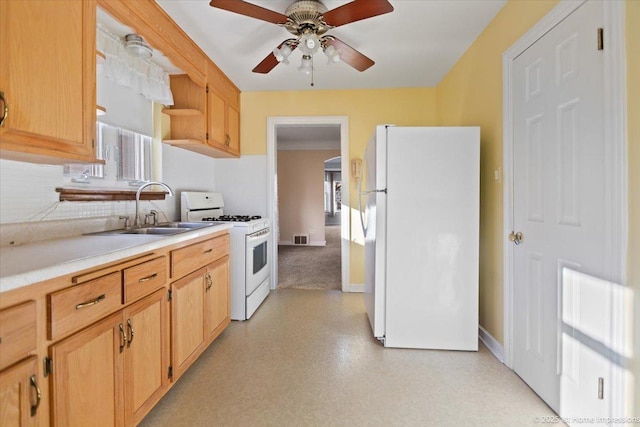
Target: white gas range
(250, 271)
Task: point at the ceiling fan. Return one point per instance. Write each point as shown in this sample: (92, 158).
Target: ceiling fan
(309, 21)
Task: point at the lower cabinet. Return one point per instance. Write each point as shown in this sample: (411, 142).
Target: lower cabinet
(199, 312)
(113, 372)
(217, 299)
(19, 394)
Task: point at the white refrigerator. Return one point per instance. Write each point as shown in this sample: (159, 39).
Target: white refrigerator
(419, 195)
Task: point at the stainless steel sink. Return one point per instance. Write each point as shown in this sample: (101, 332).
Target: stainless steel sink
(178, 224)
(162, 229)
(155, 230)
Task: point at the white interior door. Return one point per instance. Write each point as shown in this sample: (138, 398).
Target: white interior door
(561, 304)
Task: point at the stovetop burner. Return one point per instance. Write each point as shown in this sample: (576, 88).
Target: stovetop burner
(233, 218)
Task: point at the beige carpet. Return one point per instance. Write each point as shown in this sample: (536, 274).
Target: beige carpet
(311, 267)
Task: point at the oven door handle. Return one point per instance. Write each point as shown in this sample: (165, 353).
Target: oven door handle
(260, 235)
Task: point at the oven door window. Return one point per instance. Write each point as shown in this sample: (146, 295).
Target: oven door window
(259, 257)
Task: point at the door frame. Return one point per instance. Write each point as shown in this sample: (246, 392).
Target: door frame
(615, 157)
(272, 170)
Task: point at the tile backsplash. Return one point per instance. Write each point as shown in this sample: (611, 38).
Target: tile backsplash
(28, 196)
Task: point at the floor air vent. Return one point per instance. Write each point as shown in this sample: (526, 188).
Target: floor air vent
(300, 239)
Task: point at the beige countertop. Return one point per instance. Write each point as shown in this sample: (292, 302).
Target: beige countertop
(35, 262)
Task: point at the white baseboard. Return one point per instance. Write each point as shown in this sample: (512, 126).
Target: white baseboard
(318, 243)
(491, 343)
(356, 287)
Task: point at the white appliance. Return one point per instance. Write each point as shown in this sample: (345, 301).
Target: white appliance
(249, 257)
(421, 225)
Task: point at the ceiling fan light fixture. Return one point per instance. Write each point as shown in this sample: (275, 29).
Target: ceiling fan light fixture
(309, 43)
(332, 54)
(282, 54)
(306, 65)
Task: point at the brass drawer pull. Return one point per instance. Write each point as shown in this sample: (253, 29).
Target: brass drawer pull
(123, 337)
(34, 384)
(228, 141)
(209, 281)
(130, 327)
(90, 303)
(5, 107)
(207, 251)
(146, 279)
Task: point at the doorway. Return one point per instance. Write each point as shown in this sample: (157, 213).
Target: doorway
(564, 209)
(332, 191)
(273, 124)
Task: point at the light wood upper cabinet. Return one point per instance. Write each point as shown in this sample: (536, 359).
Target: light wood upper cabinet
(19, 400)
(48, 78)
(211, 128)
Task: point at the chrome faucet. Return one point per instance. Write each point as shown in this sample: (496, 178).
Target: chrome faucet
(136, 221)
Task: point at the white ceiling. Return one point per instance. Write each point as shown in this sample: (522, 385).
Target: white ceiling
(413, 46)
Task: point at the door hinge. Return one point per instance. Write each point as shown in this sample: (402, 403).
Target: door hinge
(169, 295)
(601, 388)
(93, 143)
(207, 88)
(600, 38)
(47, 366)
(170, 373)
(207, 137)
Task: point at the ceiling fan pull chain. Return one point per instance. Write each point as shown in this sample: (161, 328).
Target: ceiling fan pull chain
(311, 70)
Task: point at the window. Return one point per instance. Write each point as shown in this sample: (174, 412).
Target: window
(134, 163)
(127, 154)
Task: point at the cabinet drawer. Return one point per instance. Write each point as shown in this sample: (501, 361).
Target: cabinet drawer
(190, 258)
(78, 306)
(142, 279)
(17, 333)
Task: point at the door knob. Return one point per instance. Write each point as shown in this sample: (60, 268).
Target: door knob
(516, 238)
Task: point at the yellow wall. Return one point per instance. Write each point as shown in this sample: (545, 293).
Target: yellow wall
(301, 193)
(365, 109)
(633, 135)
(471, 94)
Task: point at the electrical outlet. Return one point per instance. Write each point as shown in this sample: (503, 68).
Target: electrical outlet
(497, 175)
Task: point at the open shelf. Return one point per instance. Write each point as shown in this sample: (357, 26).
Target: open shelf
(183, 112)
(103, 195)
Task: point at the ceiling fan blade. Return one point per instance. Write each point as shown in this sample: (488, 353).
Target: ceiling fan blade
(270, 62)
(251, 10)
(356, 11)
(349, 55)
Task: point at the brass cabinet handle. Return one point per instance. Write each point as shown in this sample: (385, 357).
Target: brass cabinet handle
(130, 327)
(34, 384)
(209, 281)
(146, 279)
(228, 141)
(208, 251)
(90, 303)
(123, 338)
(6, 109)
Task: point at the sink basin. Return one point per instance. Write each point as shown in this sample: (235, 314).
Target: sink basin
(155, 230)
(163, 229)
(178, 224)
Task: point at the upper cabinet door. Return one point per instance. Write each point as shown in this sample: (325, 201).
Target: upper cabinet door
(47, 77)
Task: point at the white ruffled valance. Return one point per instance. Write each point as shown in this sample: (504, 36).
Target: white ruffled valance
(140, 75)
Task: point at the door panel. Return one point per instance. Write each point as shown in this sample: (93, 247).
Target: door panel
(559, 206)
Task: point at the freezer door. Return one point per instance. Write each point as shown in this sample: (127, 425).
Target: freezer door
(374, 205)
(432, 220)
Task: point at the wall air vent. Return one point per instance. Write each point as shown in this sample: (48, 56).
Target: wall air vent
(301, 239)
